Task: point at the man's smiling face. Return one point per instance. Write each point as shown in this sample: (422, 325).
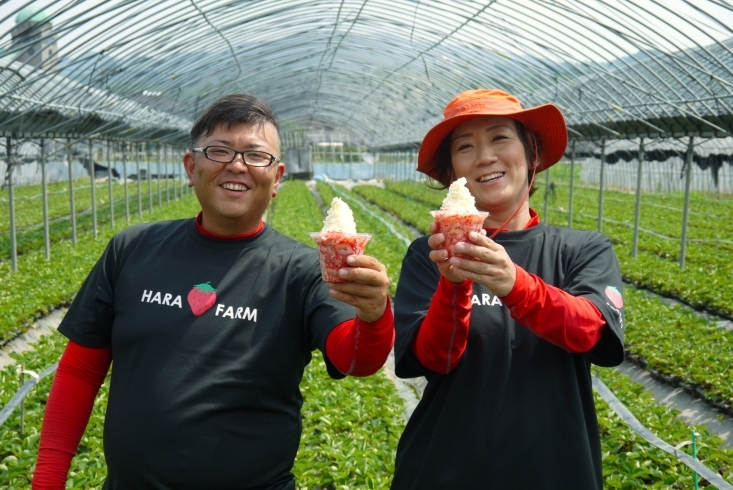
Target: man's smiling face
(234, 196)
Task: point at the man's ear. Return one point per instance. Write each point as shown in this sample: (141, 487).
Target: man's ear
(189, 163)
(278, 177)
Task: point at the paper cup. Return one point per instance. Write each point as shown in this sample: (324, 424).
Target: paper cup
(456, 227)
(334, 248)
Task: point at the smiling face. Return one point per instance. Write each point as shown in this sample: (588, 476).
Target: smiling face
(489, 153)
(234, 196)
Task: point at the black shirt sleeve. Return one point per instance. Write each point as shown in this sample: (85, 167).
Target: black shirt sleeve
(419, 279)
(91, 314)
(594, 274)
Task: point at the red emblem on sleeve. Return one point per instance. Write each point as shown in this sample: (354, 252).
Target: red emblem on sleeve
(615, 296)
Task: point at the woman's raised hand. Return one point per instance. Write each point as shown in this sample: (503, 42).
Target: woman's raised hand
(493, 269)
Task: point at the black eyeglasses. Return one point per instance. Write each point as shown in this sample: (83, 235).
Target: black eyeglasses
(222, 154)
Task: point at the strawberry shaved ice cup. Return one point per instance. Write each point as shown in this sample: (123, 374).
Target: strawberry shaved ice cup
(456, 227)
(334, 247)
(458, 217)
(338, 239)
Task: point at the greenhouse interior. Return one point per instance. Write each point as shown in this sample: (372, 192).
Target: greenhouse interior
(98, 98)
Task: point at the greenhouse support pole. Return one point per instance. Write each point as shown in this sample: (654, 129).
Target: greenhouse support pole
(93, 182)
(11, 203)
(174, 156)
(109, 189)
(160, 202)
(177, 192)
(124, 176)
(136, 146)
(167, 176)
(637, 211)
(44, 197)
(600, 186)
(149, 175)
(546, 211)
(72, 206)
(572, 177)
(686, 212)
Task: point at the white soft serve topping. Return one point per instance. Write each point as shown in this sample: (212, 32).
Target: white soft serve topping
(339, 218)
(459, 200)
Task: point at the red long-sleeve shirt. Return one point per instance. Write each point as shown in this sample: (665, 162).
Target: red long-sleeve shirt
(573, 323)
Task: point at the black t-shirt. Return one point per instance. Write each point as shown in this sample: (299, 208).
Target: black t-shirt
(517, 411)
(209, 342)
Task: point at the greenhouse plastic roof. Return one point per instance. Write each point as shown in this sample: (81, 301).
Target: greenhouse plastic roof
(381, 70)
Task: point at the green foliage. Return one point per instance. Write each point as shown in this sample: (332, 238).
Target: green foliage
(350, 431)
(18, 452)
(679, 343)
(294, 212)
(40, 284)
(399, 205)
(29, 210)
(631, 462)
(706, 280)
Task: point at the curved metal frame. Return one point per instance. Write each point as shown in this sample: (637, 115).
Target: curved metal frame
(379, 69)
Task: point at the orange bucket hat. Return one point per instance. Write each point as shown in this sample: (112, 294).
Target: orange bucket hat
(545, 121)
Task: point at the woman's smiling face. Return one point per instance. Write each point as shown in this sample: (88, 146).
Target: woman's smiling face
(489, 153)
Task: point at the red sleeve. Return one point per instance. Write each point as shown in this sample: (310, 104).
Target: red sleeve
(80, 373)
(441, 339)
(571, 322)
(359, 348)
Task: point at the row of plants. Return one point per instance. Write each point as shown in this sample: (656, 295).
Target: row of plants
(631, 462)
(40, 284)
(350, 430)
(28, 202)
(705, 281)
(675, 341)
(29, 213)
(351, 426)
(703, 284)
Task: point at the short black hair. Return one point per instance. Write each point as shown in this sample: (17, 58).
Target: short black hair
(230, 110)
(443, 174)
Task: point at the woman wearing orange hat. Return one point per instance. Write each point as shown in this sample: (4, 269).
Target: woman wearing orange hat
(506, 335)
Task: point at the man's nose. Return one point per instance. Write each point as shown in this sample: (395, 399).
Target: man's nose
(238, 165)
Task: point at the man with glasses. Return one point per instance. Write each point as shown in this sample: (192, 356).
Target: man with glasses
(211, 322)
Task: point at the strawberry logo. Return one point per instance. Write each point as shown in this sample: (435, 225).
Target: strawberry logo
(615, 296)
(201, 298)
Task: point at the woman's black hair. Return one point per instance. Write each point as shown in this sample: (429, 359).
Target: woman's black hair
(443, 175)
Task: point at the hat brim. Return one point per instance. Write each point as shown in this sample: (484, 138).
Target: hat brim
(545, 121)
